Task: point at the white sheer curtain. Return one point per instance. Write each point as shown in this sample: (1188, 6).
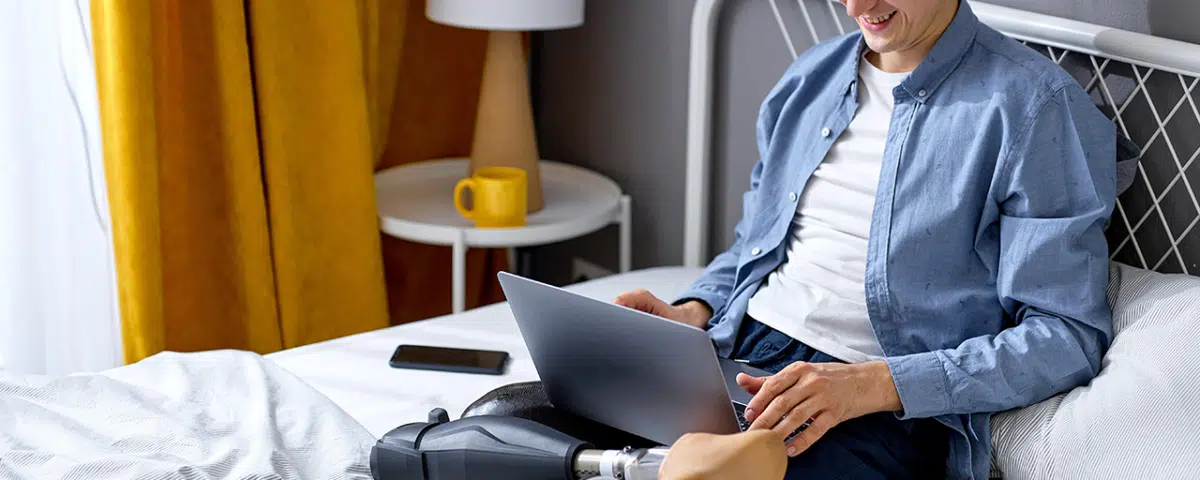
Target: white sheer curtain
(57, 289)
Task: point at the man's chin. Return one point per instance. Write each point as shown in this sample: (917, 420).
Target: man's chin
(878, 45)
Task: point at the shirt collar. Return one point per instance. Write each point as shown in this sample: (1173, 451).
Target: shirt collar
(945, 56)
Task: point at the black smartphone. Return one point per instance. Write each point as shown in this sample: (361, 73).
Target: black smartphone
(443, 359)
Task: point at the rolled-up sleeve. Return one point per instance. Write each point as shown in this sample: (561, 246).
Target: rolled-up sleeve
(1057, 189)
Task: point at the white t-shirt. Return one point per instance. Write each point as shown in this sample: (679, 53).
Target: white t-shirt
(818, 295)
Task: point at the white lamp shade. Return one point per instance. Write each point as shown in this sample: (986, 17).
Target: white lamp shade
(518, 15)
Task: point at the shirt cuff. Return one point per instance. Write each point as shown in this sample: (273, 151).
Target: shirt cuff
(922, 385)
(708, 295)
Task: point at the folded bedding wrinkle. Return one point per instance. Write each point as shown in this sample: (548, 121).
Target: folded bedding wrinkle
(209, 415)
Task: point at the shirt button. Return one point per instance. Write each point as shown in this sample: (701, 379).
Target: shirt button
(792, 196)
(922, 92)
(755, 251)
(825, 132)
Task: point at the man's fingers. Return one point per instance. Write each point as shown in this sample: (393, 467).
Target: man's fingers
(640, 300)
(750, 384)
(799, 417)
(779, 407)
(629, 298)
(822, 422)
(772, 387)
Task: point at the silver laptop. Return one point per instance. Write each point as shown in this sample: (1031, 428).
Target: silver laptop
(640, 373)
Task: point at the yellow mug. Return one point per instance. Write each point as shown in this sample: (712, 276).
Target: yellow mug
(498, 195)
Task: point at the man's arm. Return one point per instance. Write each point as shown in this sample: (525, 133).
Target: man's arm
(754, 455)
(1057, 189)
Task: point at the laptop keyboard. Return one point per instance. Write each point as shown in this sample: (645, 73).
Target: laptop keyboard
(741, 416)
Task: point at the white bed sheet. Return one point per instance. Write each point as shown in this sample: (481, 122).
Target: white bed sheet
(354, 372)
(216, 414)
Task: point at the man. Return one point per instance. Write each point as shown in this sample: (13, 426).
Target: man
(922, 245)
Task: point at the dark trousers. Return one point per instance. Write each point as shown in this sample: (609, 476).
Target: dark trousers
(873, 446)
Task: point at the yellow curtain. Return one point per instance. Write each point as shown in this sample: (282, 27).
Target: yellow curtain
(240, 140)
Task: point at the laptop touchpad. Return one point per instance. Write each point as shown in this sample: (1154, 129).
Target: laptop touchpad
(730, 369)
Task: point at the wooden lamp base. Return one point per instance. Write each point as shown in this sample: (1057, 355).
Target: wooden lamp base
(504, 131)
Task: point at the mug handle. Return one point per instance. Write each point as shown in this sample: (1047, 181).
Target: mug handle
(458, 205)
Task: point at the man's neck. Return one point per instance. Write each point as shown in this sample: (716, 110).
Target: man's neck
(908, 59)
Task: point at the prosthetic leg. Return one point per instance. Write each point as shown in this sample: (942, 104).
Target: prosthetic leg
(501, 447)
(514, 433)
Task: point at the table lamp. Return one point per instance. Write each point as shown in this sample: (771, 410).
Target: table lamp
(504, 132)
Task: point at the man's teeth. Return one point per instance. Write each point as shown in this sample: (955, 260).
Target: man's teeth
(882, 19)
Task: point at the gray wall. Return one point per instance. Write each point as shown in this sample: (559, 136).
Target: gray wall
(611, 96)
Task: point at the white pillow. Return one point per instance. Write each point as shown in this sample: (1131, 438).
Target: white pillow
(1140, 418)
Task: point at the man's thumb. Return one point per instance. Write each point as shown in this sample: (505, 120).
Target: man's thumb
(749, 384)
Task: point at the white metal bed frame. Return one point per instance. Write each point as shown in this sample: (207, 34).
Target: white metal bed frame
(1100, 49)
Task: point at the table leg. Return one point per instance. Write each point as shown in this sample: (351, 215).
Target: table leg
(459, 273)
(626, 230)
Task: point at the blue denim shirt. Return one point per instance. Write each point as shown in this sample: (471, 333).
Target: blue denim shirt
(987, 266)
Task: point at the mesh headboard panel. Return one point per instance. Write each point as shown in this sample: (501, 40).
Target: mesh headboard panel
(1155, 223)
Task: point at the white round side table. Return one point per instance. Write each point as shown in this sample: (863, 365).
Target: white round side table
(416, 203)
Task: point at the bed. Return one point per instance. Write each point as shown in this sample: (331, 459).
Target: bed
(1147, 85)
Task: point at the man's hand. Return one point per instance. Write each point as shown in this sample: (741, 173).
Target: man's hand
(826, 393)
(703, 456)
(693, 313)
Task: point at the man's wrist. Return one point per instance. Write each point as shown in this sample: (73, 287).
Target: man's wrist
(883, 387)
(697, 313)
